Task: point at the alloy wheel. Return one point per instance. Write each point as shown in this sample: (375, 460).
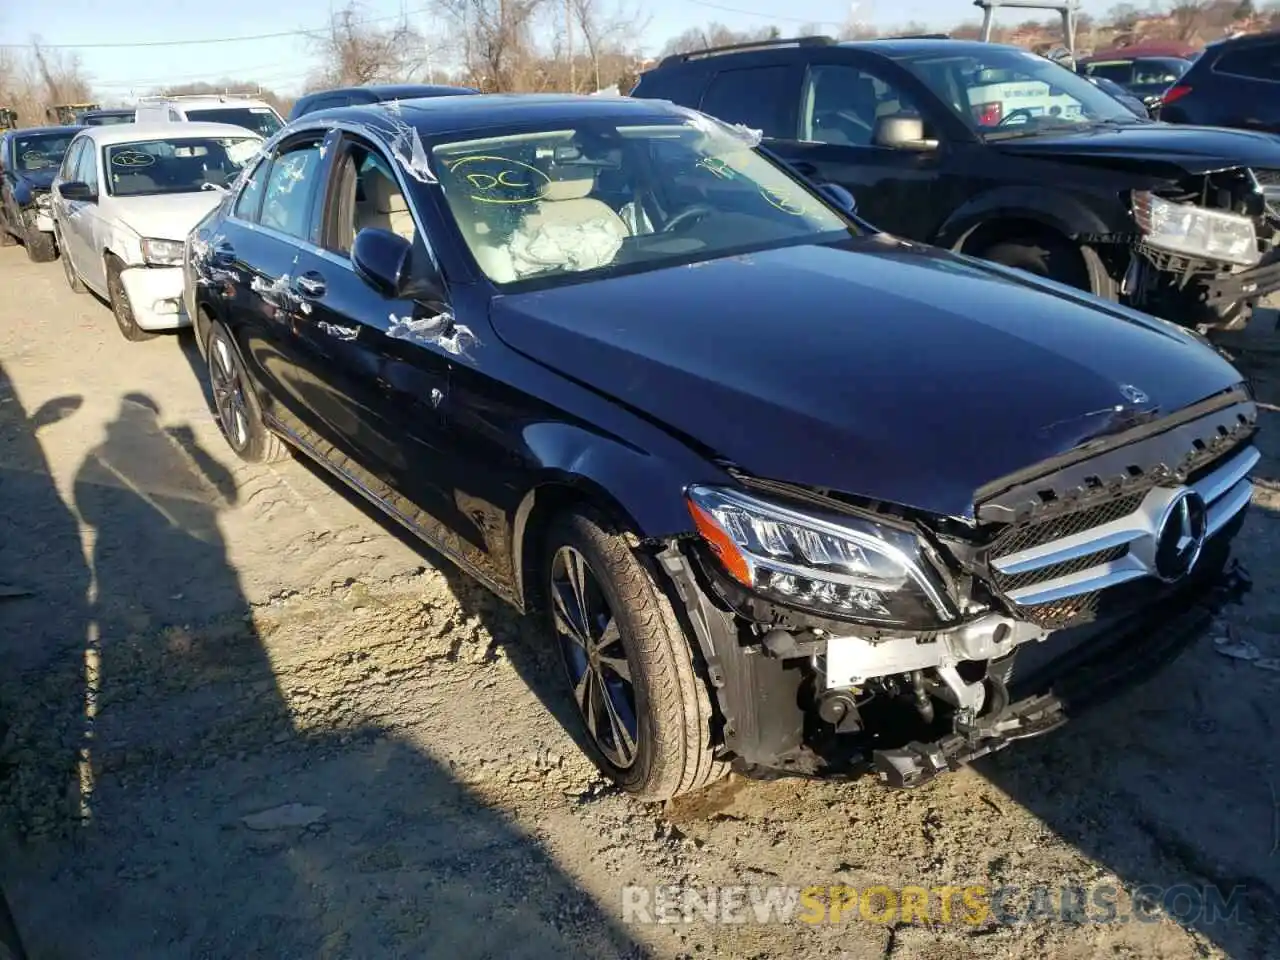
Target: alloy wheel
(594, 657)
(228, 393)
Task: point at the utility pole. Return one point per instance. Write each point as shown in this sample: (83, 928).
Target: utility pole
(568, 32)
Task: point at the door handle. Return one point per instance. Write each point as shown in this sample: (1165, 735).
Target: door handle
(804, 168)
(310, 285)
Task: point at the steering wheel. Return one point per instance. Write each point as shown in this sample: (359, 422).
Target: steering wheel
(691, 212)
(1007, 119)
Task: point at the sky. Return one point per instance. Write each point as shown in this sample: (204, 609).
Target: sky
(103, 32)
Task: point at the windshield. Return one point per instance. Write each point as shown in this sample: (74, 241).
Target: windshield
(261, 120)
(601, 199)
(40, 152)
(1006, 92)
(178, 165)
(107, 119)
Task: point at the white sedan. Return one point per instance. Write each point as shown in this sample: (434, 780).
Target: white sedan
(125, 199)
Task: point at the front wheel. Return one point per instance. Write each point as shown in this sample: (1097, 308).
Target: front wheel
(1046, 257)
(630, 667)
(235, 405)
(40, 246)
(121, 306)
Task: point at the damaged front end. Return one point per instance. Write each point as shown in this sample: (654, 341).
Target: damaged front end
(841, 635)
(1206, 248)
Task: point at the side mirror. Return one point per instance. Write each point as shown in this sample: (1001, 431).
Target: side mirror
(76, 190)
(386, 262)
(902, 131)
(841, 197)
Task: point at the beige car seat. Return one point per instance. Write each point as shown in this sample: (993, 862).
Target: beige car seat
(384, 206)
(567, 201)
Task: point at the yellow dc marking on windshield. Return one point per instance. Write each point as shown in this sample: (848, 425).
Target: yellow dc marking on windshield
(484, 183)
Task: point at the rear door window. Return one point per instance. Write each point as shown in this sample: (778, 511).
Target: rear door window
(287, 200)
(1259, 62)
(754, 96)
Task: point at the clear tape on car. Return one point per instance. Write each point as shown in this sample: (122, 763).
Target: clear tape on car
(440, 331)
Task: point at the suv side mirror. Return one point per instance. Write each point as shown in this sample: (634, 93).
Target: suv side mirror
(77, 190)
(902, 131)
(841, 197)
(386, 262)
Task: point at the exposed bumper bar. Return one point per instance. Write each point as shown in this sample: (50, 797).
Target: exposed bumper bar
(1227, 288)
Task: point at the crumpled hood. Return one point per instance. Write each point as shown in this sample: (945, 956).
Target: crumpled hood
(1194, 150)
(39, 179)
(166, 216)
(899, 373)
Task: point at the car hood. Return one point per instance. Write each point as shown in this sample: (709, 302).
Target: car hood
(1193, 150)
(167, 216)
(38, 179)
(894, 372)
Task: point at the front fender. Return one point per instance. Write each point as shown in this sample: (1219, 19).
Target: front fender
(644, 490)
(1073, 216)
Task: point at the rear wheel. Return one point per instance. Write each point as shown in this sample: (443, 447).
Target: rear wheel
(121, 308)
(235, 405)
(630, 667)
(1049, 257)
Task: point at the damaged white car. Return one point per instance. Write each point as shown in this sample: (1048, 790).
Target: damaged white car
(125, 199)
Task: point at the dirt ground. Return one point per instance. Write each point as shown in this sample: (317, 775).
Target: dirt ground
(241, 717)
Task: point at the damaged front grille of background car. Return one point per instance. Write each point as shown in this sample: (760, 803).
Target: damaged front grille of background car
(1053, 564)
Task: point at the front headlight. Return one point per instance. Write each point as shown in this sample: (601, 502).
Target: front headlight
(162, 253)
(843, 567)
(1196, 231)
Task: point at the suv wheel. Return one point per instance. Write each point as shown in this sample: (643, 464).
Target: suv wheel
(235, 405)
(1047, 257)
(630, 667)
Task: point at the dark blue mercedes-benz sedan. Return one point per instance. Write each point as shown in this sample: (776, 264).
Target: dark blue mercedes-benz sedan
(793, 495)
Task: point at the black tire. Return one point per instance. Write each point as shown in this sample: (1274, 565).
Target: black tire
(1049, 257)
(69, 271)
(670, 750)
(40, 246)
(234, 405)
(121, 308)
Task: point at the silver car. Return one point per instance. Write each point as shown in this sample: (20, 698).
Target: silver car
(126, 197)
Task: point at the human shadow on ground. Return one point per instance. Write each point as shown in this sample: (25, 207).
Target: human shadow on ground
(191, 817)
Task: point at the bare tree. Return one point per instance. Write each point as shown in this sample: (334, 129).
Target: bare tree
(1188, 17)
(61, 76)
(606, 30)
(498, 42)
(353, 51)
(716, 35)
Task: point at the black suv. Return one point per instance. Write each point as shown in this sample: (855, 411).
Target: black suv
(1233, 83)
(787, 491)
(28, 160)
(993, 151)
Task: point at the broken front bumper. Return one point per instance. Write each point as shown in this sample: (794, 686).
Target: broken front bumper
(155, 294)
(1126, 655)
(1224, 289)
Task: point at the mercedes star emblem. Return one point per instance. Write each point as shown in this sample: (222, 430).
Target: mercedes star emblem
(1133, 394)
(1181, 536)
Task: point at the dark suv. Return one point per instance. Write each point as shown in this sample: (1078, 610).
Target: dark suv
(29, 159)
(1234, 83)
(790, 493)
(993, 151)
(374, 93)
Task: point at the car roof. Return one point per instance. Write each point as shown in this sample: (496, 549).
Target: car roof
(1244, 40)
(403, 91)
(800, 47)
(202, 102)
(135, 132)
(28, 131)
(435, 116)
(109, 111)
